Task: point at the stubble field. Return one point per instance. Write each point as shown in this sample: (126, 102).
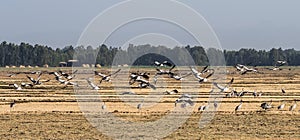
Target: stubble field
(51, 111)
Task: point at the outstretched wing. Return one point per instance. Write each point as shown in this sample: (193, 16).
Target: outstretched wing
(209, 75)
(75, 71)
(39, 77)
(115, 72)
(172, 67)
(152, 86)
(55, 74)
(231, 81)
(218, 86)
(144, 75)
(100, 74)
(156, 63)
(31, 79)
(168, 63)
(244, 72)
(204, 69)
(188, 74)
(194, 70)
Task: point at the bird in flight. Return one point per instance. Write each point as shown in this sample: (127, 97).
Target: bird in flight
(95, 87)
(105, 77)
(201, 75)
(224, 88)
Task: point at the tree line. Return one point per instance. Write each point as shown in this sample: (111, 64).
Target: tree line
(38, 55)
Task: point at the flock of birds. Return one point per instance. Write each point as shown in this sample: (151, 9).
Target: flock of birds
(166, 69)
(243, 70)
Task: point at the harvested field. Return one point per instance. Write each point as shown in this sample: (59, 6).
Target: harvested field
(51, 110)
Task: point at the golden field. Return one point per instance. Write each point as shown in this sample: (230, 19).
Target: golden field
(51, 111)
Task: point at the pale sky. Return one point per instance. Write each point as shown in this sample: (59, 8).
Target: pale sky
(238, 24)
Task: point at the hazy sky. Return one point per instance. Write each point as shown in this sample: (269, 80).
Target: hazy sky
(260, 24)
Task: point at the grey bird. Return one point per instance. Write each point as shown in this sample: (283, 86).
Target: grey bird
(266, 105)
(224, 88)
(103, 106)
(239, 106)
(293, 107)
(280, 107)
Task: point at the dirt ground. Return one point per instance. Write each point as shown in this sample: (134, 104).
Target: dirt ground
(52, 111)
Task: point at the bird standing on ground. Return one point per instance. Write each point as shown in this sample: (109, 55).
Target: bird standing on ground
(293, 107)
(103, 106)
(12, 104)
(239, 106)
(282, 90)
(266, 105)
(254, 93)
(172, 91)
(16, 86)
(242, 93)
(127, 93)
(215, 104)
(280, 107)
(202, 108)
(139, 106)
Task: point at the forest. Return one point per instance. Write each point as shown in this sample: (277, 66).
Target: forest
(37, 55)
